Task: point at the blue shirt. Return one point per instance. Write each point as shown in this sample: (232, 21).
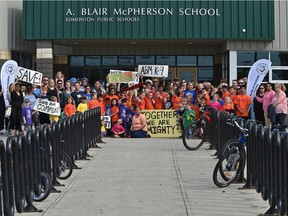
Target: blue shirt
(193, 93)
(27, 113)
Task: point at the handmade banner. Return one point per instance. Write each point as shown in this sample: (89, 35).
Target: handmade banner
(107, 121)
(121, 77)
(256, 75)
(8, 76)
(162, 123)
(29, 76)
(136, 81)
(153, 70)
(48, 107)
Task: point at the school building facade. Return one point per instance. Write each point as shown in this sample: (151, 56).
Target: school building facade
(199, 40)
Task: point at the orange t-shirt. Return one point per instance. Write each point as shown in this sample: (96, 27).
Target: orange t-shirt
(148, 104)
(93, 104)
(69, 109)
(140, 104)
(102, 107)
(207, 99)
(175, 102)
(158, 103)
(115, 117)
(111, 97)
(242, 101)
(225, 95)
(196, 110)
(228, 108)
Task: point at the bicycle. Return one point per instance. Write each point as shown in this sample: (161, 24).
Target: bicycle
(193, 136)
(232, 159)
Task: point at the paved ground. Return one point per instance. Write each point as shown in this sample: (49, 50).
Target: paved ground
(149, 177)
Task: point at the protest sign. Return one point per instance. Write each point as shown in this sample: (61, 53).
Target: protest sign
(48, 107)
(29, 76)
(256, 75)
(162, 123)
(8, 76)
(107, 121)
(136, 81)
(121, 77)
(153, 70)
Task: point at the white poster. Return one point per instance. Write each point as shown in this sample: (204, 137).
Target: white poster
(8, 76)
(107, 121)
(153, 70)
(48, 107)
(29, 76)
(256, 75)
(136, 81)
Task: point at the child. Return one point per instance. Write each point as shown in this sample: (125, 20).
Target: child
(93, 103)
(228, 105)
(114, 111)
(118, 130)
(54, 118)
(82, 107)
(180, 111)
(123, 111)
(69, 108)
(103, 129)
(159, 104)
(188, 118)
(108, 107)
(215, 103)
(27, 115)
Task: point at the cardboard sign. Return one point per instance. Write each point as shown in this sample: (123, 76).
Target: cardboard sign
(124, 77)
(136, 81)
(162, 123)
(107, 121)
(48, 107)
(29, 76)
(153, 70)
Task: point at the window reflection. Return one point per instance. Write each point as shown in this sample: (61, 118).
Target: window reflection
(93, 60)
(166, 60)
(279, 58)
(186, 60)
(126, 61)
(110, 61)
(205, 60)
(77, 61)
(245, 58)
(279, 74)
(205, 74)
(145, 60)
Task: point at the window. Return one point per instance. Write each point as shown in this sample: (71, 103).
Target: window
(245, 58)
(110, 61)
(145, 60)
(93, 60)
(280, 74)
(205, 74)
(126, 61)
(205, 60)
(279, 58)
(77, 61)
(242, 72)
(186, 61)
(166, 60)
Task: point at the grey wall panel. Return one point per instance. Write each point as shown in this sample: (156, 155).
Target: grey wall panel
(11, 28)
(281, 33)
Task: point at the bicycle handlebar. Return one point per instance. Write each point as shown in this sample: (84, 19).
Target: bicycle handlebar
(233, 122)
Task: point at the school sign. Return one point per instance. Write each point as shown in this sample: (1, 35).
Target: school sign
(185, 19)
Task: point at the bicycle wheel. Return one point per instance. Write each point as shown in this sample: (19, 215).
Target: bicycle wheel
(46, 186)
(65, 168)
(228, 168)
(192, 137)
(227, 146)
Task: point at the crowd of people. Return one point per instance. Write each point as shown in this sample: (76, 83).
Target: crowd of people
(123, 103)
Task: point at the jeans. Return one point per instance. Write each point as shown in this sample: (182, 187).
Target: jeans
(280, 118)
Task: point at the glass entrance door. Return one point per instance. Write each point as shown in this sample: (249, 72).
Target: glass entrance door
(187, 73)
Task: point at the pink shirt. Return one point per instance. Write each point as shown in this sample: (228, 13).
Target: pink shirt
(280, 100)
(118, 129)
(266, 99)
(216, 105)
(139, 122)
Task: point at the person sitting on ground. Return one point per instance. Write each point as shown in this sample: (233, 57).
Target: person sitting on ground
(118, 130)
(139, 125)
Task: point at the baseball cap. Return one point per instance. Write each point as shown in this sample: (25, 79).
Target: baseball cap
(73, 79)
(26, 100)
(85, 78)
(148, 81)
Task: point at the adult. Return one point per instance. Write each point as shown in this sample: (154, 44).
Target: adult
(52, 90)
(111, 94)
(266, 100)
(66, 93)
(30, 95)
(98, 88)
(84, 83)
(258, 105)
(77, 94)
(139, 125)
(279, 103)
(60, 87)
(2, 110)
(234, 83)
(16, 108)
(184, 84)
(45, 81)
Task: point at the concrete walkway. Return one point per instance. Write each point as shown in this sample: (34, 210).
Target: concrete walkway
(149, 177)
